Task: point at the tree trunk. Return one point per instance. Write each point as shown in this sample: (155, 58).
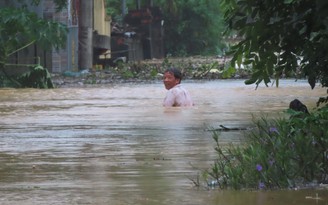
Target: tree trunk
(85, 34)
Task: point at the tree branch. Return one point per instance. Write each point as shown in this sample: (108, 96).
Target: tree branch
(27, 45)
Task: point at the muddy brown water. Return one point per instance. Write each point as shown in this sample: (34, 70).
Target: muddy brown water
(118, 145)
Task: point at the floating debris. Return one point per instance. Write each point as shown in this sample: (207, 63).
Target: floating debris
(314, 198)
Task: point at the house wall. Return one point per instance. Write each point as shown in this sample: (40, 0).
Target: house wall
(101, 21)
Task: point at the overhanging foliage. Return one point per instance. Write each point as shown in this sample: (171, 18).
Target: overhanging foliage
(280, 38)
(20, 28)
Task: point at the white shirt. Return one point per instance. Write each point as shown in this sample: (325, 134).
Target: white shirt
(177, 97)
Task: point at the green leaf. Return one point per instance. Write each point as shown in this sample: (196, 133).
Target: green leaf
(288, 1)
(250, 81)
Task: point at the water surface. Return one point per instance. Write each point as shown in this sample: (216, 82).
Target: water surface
(116, 144)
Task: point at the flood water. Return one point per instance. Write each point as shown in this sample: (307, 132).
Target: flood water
(116, 144)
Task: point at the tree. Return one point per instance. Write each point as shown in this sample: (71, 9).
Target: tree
(192, 27)
(60, 3)
(20, 28)
(280, 37)
(114, 9)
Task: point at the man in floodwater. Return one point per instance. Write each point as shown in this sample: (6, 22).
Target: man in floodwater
(176, 96)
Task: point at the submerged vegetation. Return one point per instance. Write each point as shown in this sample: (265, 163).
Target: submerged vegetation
(282, 153)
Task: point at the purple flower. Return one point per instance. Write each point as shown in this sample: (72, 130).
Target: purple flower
(271, 162)
(258, 167)
(261, 185)
(273, 130)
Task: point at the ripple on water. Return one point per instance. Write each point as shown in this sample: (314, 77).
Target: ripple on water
(118, 145)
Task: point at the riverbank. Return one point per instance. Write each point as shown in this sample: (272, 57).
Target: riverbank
(193, 68)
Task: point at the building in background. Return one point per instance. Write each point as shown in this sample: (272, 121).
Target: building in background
(91, 39)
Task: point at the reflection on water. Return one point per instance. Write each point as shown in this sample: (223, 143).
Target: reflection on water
(118, 145)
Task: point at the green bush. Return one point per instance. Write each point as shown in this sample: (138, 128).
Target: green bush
(37, 77)
(280, 153)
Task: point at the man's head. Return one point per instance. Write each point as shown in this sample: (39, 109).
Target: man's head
(172, 77)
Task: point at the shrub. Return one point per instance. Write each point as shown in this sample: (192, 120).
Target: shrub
(279, 153)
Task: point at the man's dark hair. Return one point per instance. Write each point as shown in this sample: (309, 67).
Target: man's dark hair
(176, 72)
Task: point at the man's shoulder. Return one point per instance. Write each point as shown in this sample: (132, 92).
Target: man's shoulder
(178, 89)
(179, 86)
